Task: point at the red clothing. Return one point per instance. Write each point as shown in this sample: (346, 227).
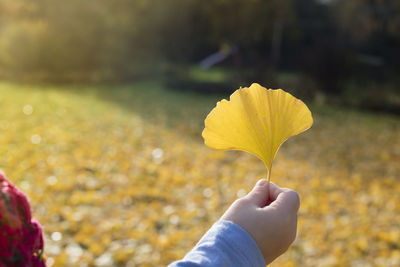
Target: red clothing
(21, 237)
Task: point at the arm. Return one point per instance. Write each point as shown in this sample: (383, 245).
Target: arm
(254, 231)
(225, 244)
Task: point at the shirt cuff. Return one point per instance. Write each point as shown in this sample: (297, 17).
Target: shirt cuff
(242, 246)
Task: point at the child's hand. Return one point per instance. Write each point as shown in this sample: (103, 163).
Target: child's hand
(272, 221)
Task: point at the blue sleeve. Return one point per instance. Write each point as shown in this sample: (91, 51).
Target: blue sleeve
(225, 244)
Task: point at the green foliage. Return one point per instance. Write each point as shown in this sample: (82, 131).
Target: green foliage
(97, 40)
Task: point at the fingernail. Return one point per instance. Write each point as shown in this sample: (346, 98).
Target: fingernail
(261, 182)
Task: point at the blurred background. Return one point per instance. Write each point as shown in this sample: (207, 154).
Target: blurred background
(342, 48)
(103, 103)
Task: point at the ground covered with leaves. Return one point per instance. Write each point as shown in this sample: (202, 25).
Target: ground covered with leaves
(119, 176)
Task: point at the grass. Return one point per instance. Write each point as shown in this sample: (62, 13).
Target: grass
(130, 161)
(216, 75)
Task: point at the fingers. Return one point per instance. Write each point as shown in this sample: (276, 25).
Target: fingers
(259, 194)
(274, 191)
(287, 201)
(280, 198)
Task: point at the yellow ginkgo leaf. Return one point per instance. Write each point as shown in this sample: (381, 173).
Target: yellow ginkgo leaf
(256, 120)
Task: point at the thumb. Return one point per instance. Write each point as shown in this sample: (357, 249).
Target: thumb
(259, 194)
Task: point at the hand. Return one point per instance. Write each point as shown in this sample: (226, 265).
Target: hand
(271, 221)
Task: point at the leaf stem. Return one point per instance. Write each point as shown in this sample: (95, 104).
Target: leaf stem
(269, 181)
